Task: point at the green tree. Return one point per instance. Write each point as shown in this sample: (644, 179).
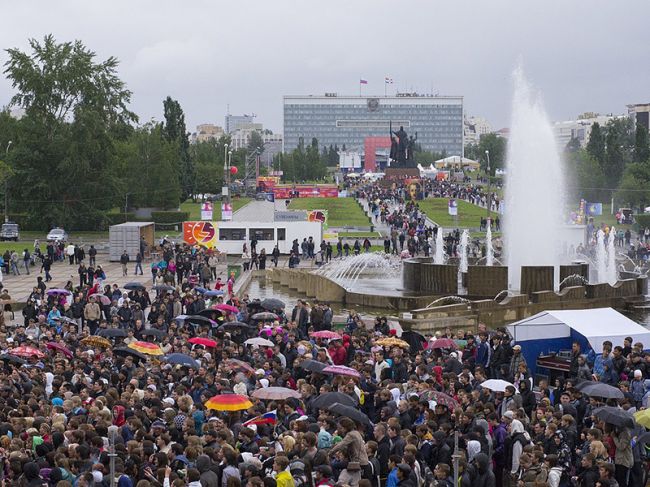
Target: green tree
(497, 148)
(587, 176)
(75, 108)
(619, 141)
(572, 146)
(641, 144)
(208, 160)
(175, 131)
(150, 160)
(256, 142)
(596, 144)
(635, 185)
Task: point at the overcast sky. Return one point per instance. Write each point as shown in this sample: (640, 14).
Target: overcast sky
(582, 55)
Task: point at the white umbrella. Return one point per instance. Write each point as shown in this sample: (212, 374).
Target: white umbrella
(262, 342)
(496, 385)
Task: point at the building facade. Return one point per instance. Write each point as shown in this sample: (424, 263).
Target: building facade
(579, 129)
(234, 122)
(347, 120)
(640, 114)
(474, 129)
(207, 131)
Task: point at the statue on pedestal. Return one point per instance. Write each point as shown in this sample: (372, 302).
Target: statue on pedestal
(402, 148)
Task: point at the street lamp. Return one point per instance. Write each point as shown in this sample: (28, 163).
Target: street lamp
(225, 190)
(489, 195)
(7, 185)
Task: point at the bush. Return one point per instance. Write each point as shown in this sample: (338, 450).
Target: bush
(117, 218)
(169, 217)
(643, 220)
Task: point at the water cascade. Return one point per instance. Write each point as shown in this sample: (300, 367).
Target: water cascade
(489, 249)
(612, 273)
(439, 256)
(463, 248)
(601, 256)
(535, 186)
(347, 271)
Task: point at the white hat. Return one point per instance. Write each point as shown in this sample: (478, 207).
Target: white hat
(638, 373)
(264, 382)
(169, 400)
(260, 372)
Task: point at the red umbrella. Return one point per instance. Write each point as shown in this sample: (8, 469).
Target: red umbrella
(26, 352)
(227, 307)
(443, 343)
(206, 342)
(340, 370)
(240, 366)
(326, 334)
(57, 347)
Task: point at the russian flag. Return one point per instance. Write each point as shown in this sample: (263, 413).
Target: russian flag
(363, 81)
(267, 418)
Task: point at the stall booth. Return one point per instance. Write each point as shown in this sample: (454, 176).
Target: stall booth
(128, 236)
(546, 338)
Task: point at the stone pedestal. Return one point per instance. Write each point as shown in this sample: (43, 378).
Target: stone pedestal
(486, 281)
(536, 278)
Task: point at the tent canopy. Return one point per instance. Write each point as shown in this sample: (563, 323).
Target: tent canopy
(550, 331)
(456, 161)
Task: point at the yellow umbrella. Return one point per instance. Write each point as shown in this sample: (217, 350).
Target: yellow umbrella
(146, 348)
(392, 342)
(97, 341)
(643, 417)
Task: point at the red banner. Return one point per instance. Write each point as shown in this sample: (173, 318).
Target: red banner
(306, 191)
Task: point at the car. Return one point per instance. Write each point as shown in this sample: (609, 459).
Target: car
(57, 235)
(9, 231)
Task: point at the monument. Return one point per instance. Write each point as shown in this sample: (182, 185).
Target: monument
(402, 155)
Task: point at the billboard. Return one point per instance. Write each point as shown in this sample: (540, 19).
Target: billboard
(226, 212)
(318, 216)
(200, 233)
(206, 211)
(306, 191)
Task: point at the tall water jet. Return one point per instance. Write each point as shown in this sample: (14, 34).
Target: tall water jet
(535, 187)
(612, 273)
(489, 249)
(601, 256)
(439, 255)
(463, 248)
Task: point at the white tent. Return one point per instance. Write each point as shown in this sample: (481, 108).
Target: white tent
(554, 330)
(456, 162)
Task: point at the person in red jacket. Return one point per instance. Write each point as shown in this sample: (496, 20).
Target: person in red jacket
(337, 352)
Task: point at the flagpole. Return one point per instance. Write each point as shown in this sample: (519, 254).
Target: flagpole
(359, 86)
(385, 85)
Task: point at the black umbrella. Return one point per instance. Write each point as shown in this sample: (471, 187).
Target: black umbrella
(164, 287)
(329, 398)
(271, 304)
(213, 314)
(312, 365)
(644, 438)
(181, 359)
(7, 357)
(615, 416)
(154, 332)
(124, 351)
(237, 325)
(265, 316)
(350, 412)
(599, 389)
(112, 333)
(414, 339)
(133, 286)
(199, 320)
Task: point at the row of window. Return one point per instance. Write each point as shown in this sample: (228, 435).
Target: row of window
(259, 234)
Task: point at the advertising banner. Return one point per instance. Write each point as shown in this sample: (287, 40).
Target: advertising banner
(306, 191)
(318, 216)
(452, 207)
(206, 211)
(226, 212)
(200, 233)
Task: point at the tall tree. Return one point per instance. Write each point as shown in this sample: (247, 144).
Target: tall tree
(587, 177)
(596, 143)
(256, 142)
(641, 144)
(175, 131)
(497, 148)
(620, 142)
(635, 185)
(74, 109)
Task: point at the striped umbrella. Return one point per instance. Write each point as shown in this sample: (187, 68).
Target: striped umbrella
(228, 402)
(146, 348)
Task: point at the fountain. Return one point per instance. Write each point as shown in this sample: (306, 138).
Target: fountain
(439, 256)
(372, 265)
(601, 256)
(535, 188)
(463, 249)
(612, 273)
(489, 249)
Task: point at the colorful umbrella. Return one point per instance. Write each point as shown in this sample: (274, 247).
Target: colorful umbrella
(105, 300)
(341, 370)
(228, 402)
(146, 348)
(331, 335)
(441, 398)
(206, 342)
(57, 347)
(261, 342)
(58, 292)
(275, 393)
(97, 341)
(227, 308)
(240, 366)
(26, 352)
(443, 343)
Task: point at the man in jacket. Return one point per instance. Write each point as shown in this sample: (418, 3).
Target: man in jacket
(92, 313)
(124, 260)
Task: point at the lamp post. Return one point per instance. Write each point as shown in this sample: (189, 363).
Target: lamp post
(7, 185)
(112, 433)
(489, 195)
(225, 191)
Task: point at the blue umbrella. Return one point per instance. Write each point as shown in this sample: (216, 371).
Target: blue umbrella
(200, 290)
(213, 294)
(181, 359)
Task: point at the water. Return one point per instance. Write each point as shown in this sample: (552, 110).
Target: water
(601, 256)
(535, 186)
(463, 249)
(489, 249)
(370, 266)
(612, 273)
(439, 255)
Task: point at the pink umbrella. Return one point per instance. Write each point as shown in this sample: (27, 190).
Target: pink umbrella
(327, 334)
(443, 343)
(101, 298)
(340, 370)
(227, 307)
(275, 394)
(57, 347)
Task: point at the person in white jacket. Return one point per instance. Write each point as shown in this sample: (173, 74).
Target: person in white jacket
(519, 438)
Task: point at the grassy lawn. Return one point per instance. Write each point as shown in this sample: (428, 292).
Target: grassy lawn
(469, 215)
(359, 234)
(341, 211)
(194, 209)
